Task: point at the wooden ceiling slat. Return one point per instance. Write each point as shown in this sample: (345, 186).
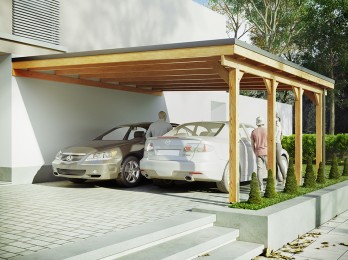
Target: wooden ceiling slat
(187, 84)
(130, 63)
(168, 83)
(168, 78)
(137, 67)
(162, 82)
(150, 73)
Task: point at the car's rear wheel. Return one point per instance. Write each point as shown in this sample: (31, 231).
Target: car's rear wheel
(130, 175)
(77, 180)
(163, 183)
(224, 184)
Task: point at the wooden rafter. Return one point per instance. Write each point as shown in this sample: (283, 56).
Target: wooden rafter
(50, 77)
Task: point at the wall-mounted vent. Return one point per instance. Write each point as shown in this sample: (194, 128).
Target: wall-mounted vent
(36, 19)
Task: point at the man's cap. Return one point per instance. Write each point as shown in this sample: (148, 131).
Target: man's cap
(259, 121)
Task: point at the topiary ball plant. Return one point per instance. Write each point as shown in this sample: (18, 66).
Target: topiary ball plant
(270, 191)
(334, 174)
(291, 182)
(309, 178)
(345, 169)
(254, 195)
(321, 174)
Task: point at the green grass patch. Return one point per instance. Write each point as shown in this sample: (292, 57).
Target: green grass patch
(281, 196)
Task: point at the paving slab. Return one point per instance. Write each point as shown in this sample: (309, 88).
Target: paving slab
(48, 215)
(52, 215)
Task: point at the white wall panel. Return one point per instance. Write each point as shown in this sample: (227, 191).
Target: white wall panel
(107, 24)
(50, 116)
(5, 110)
(196, 106)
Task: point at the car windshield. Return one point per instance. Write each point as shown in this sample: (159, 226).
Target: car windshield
(197, 129)
(123, 133)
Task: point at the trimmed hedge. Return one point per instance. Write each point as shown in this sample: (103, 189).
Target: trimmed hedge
(333, 143)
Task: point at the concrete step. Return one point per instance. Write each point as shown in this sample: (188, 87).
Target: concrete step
(237, 250)
(186, 247)
(126, 240)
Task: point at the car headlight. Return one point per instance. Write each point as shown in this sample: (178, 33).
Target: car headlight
(106, 155)
(59, 155)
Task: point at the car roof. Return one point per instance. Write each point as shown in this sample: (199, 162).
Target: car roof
(136, 124)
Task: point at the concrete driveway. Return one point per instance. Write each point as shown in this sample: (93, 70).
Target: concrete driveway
(34, 217)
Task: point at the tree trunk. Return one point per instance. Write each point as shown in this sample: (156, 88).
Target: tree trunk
(332, 104)
(332, 112)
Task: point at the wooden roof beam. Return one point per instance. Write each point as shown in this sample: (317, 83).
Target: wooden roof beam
(261, 72)
(52, 77)
(279, 66)
(94, 60)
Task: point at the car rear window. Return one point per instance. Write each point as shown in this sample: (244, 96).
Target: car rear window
(197, 129)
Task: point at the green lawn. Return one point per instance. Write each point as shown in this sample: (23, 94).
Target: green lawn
(281, 196)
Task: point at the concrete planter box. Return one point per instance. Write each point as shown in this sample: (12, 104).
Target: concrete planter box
(279, 224)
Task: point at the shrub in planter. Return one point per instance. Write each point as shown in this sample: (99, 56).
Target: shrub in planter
(345, 169)
(321, 174)
(291, 182)
(309, 178)
(270, 191)
(334, 174)
(254, 195)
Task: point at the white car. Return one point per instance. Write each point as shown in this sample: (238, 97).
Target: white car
(198, 151)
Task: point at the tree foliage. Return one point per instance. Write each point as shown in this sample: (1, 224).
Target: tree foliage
(322, 46)
(312, 33)
(236, 27)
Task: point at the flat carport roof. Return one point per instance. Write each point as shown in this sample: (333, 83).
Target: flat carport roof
(226, 65)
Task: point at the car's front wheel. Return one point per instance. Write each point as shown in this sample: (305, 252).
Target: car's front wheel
(130, 175)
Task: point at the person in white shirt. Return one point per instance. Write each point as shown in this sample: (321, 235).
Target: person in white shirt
(282, 174)
(160, 127)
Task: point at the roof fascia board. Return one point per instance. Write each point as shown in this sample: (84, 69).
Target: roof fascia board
(279, 59)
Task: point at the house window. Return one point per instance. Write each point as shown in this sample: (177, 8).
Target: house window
(36, 19)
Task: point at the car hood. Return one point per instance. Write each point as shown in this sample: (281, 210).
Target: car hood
(94, 146)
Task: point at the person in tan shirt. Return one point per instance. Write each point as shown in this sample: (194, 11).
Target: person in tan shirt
(259, 145)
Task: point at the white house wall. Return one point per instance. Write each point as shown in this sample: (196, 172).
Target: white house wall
(49, 116)
(202, 106)
(5, 117)
(108, 24)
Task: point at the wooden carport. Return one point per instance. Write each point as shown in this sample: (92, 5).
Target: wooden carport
(226, 65)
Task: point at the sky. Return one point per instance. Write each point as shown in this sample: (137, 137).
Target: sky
(203, 2)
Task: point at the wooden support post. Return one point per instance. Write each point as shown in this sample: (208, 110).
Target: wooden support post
(234, 79)
(298, 134)
(271, 86)
(319, 128)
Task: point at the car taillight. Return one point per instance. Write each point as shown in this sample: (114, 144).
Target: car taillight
(202, 147)
(149, 147)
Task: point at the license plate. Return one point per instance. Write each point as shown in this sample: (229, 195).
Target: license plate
(168, 152)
